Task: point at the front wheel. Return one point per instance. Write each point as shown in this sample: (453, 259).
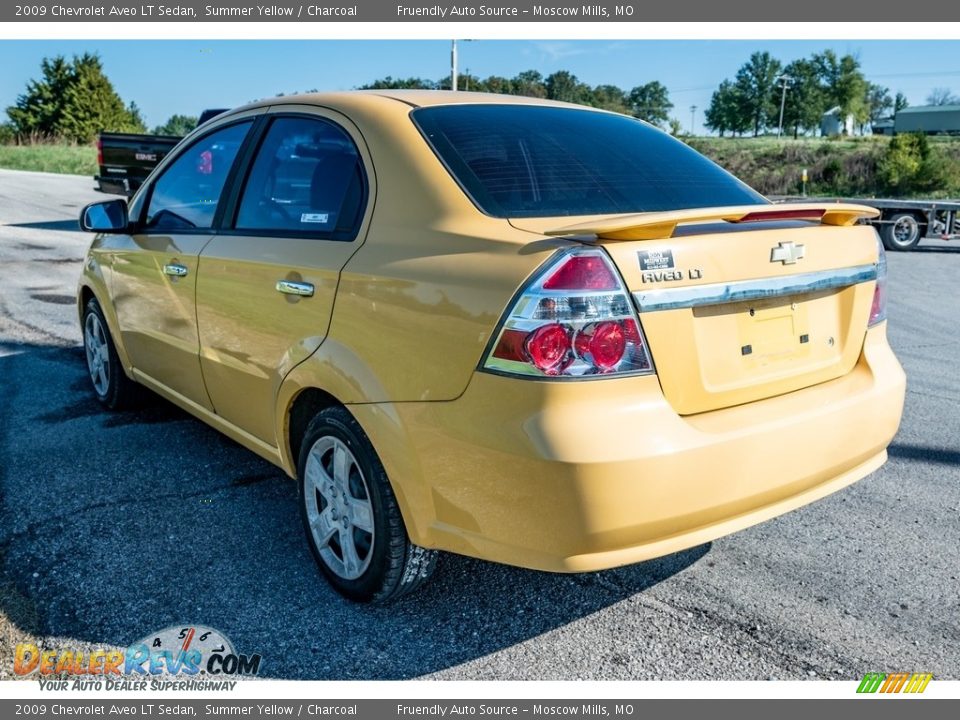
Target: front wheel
(350, 514)
(110, 383)
(901, 233)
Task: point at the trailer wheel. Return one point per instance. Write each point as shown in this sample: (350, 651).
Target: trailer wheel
(902, 232)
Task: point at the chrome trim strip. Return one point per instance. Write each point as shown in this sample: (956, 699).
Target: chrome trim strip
(743, 290)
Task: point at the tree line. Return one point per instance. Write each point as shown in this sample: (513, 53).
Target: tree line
(650, 101)
(751, 102)
(73, 100)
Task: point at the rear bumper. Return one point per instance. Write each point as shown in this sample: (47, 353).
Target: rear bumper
(117, 185)
(581, 476)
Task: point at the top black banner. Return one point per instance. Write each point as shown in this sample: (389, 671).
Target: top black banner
(470, 11)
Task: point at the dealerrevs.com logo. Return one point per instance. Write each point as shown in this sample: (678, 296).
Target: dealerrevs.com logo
(909, 683)
(179, 657)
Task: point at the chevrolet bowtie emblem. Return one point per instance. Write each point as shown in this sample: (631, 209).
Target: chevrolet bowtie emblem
(787, 252)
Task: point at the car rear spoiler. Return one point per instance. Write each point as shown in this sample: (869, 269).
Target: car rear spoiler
(660, 225)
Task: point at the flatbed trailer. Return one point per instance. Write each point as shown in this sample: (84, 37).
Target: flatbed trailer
(904, 223)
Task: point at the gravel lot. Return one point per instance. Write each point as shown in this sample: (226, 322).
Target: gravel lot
(115, 525)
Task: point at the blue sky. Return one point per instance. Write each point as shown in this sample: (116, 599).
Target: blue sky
(179, 76)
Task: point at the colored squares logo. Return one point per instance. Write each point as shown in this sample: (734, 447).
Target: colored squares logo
(913, 683)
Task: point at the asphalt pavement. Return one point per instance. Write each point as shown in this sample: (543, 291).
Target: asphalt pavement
(118, 524)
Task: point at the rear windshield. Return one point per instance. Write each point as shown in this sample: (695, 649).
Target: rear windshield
(529, 161)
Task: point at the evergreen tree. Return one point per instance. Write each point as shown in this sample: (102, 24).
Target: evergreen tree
(72, 101)
(39, 111)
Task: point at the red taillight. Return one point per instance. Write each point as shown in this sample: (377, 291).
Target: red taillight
(99, 151)
(602, 344)
(574, 319)
(511, 345)
(582, 272)
(878, 310)
(548, 348)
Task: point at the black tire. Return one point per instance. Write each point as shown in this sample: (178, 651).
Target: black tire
(902, 232)
(117, 392)
(394, 565)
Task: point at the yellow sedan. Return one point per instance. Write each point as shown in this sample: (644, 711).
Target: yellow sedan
(524, 331)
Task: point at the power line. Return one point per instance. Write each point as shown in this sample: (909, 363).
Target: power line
(915, 74)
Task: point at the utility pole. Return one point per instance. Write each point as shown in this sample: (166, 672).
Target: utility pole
(693, 114)
(786, 81)
(453, 64)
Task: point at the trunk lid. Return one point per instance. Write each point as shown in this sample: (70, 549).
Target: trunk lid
(745, 303)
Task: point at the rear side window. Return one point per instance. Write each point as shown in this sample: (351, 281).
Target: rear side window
(307, 178)
(529, 161)
(186, 196)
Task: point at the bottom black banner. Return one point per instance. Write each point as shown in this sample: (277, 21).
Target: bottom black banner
(875, 707)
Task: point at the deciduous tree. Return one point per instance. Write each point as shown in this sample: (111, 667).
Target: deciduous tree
(651, 102)
(755, 82)
(177, 125)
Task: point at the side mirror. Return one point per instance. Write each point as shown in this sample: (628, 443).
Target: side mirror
(105, 217)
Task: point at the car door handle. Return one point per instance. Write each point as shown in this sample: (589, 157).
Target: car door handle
(289, 287)
(175, 270)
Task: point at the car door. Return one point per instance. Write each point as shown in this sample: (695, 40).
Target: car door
(268, 278)
(155, 268)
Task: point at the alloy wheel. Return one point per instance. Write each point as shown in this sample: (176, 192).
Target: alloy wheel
(338, 507)
(98, 353)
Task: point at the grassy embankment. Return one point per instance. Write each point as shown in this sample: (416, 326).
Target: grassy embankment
(69, 159)
(846, 167)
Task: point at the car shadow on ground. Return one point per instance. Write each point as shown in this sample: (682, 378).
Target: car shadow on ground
(922, 453)
(939, 248)
(61, 225)
(119, 524)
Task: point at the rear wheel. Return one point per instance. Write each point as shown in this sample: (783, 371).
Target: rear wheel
(350, 514)
(110, 383)
(902, 232)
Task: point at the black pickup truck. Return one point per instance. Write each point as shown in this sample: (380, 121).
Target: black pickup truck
(126, 159)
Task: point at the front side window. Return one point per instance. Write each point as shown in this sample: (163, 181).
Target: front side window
(307, 178)
(535, 161)
(186, 196)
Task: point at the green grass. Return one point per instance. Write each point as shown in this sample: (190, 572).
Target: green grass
(67, 159)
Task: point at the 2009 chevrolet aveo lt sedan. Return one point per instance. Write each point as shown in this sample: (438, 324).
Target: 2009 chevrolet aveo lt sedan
(523, 331)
